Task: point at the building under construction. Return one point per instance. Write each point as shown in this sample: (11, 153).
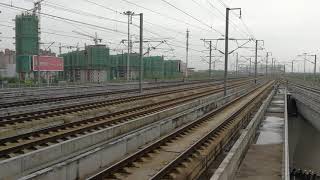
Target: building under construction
(27, 43)
(95, 64)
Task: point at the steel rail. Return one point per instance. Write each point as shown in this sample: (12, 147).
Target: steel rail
(36, 115)
(17, 144)
(312, 89)
(128, 161)
(188, 152)
(57, 99)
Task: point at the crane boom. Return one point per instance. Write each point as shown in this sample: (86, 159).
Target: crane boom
(95, 38)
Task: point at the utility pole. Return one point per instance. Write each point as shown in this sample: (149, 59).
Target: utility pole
(292, 67)
(187, 54)
(268, 53)
(129, 14)
(250, 67)
(237, 61)
(304, 66)
(210, 60)
(210, 56)
(256, 62)
(226, 53)
(315, 67)
(141, 53)
(37, 9)
(272, 70)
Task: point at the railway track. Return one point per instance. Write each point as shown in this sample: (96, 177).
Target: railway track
(314, 90)
(186, 152)
(20, 144)
(107, 93)
(38, 115)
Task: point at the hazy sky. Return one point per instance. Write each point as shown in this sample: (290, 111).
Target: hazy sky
(288, 27)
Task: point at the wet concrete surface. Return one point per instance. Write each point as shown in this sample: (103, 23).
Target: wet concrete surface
(271, 130)
(263, 160)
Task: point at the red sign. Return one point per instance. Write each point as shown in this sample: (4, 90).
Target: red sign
(47, 63)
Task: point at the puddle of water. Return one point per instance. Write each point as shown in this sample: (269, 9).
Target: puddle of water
(277, 102)
(271, 130)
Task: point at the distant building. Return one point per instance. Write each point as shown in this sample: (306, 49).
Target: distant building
(7, 63)
(47, 52)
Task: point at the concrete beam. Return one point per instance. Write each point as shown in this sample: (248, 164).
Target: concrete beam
(42, 158)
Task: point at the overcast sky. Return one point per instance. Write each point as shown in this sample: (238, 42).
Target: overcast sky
(288, 27)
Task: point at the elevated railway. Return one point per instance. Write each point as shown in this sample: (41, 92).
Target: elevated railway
(20, 144)
(186, 152)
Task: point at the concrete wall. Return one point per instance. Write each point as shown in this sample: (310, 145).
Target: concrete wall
(309, 112)
(108, 152)
(33, 161)
(308, 105)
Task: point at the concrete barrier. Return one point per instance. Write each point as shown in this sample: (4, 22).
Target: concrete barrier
(229, 166)
(39, 159)
(108, 152)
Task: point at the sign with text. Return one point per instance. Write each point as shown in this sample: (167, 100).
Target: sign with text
(47, 63)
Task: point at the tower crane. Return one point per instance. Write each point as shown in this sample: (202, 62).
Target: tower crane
(95, 38)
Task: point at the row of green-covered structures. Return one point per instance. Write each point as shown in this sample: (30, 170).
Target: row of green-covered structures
(95, 63)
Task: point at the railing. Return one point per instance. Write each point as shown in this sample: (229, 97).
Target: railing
(286, 143)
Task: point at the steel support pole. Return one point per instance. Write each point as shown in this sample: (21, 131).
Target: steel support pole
(38, 64)
(210, 60)
(304, 67)
(267, 64)
(256, 63)
(128, 53)
(272, 70)
(237, 61)
(250, 67)
(141, 53)
(315, 67)
(226, 53)
(187, 53)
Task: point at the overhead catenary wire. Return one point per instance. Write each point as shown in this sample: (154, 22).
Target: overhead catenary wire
(63, 18)
(184, 12)
(241, 19)
(166, 16)
(233, 25)
(175, 42)
(79, 12)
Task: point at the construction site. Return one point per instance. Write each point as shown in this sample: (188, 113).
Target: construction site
(93, 64)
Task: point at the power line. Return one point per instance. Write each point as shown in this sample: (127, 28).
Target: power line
(62, 18)
(247, 28)
(164, 15)
(80, 12)
(191, 16)
(234, 26)
(83, 13)
(147, 30)
(105, 7)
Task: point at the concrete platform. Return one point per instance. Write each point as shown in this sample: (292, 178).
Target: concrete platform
(261, 151)
(262, 163)
(264, 159)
